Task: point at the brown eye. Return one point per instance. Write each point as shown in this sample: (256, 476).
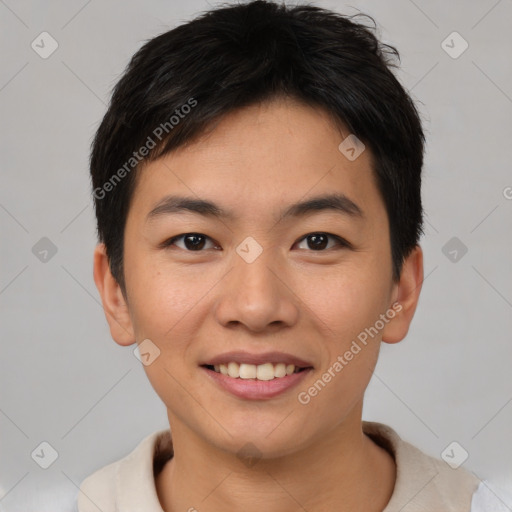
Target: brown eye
(190, 242)
(320, 241)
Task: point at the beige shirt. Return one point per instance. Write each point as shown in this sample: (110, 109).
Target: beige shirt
(423, 483)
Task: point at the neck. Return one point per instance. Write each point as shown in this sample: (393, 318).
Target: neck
(344, 471)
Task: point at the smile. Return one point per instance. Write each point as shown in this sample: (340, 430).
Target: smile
(255, 382)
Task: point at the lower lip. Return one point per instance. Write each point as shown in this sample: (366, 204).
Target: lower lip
(253, 389)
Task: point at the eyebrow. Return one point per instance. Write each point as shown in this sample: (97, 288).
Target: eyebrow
(180, 204)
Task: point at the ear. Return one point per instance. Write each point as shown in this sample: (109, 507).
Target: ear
(114, 303)
(406, 295)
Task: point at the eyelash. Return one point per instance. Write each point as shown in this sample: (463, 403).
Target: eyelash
(342, 243)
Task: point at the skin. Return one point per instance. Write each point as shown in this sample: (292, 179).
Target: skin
(311, 303)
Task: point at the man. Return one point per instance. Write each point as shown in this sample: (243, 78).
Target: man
(257, 182)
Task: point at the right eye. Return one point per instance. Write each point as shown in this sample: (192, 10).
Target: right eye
(191, 242)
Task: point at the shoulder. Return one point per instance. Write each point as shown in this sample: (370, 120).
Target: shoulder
(128, 482)
(96, 491)
(423, 482)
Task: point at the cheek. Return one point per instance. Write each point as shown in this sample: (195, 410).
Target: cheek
(346, 303)
(345, 310)
(159, 297)
(166, 307)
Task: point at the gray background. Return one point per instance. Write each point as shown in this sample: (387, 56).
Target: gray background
(64, 381)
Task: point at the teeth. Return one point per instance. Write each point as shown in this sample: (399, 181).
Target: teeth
(247, 371)
(233, 370)
(280, 370)
(266, 371)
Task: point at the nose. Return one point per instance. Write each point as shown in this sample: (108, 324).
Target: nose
(256, 296)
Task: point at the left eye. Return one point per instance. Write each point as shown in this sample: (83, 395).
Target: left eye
(320, 241)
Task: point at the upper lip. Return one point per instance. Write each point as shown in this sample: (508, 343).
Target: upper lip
(241, 356)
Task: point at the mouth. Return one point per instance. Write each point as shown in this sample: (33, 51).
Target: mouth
(253, 376)
(256, 376)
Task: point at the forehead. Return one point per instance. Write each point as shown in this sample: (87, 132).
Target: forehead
(276, 152)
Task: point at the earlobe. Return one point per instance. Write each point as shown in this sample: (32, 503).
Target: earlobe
(407, 294)
(114, 303)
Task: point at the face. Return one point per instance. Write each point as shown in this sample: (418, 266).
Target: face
(289, 262)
